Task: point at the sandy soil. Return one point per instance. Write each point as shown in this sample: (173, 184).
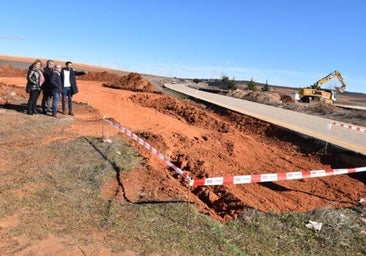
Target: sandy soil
(207, 142)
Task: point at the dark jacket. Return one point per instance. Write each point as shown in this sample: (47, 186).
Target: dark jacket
(73, 74)
(46, 86)
(32, 81)
(56, 83)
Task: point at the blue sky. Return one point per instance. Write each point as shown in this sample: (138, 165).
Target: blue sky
(285, 42)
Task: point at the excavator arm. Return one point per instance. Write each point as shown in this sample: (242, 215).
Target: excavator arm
(317, 85)
(340, 78)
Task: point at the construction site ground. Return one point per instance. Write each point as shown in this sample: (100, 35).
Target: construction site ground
(201, 139)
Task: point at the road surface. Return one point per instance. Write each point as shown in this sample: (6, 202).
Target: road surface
(310, 125)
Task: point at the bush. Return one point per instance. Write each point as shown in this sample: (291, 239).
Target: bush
(252, 86)
(266, 87)
(230, 84)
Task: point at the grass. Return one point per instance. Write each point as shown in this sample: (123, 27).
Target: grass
(286, 234)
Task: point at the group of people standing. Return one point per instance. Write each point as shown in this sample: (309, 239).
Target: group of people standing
(53, 81)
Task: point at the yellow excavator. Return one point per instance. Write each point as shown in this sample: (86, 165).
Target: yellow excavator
(314, 92)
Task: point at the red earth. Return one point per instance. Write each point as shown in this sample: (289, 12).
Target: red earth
(206, 141)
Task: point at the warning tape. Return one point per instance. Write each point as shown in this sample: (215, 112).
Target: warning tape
(241, 179)
(269, 177)
(350, 126)
(148, 147)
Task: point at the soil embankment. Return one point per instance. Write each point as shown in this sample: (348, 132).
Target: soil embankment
(205, 141)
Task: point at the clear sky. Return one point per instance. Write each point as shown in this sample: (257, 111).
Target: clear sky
(285, 42)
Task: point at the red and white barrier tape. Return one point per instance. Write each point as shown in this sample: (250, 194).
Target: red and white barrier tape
(241, 179)
(350, 126)
(256, 178)
(148, 147)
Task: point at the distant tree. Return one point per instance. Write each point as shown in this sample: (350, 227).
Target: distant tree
(230, 84)
(224, 79)
(196, 80)
(252, 86)
(266, 87)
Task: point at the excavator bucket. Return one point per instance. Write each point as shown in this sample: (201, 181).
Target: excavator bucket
(340, 89)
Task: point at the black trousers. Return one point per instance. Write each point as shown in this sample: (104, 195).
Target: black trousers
(32, 101)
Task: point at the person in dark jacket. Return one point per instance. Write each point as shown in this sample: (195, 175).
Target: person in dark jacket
(69, 86)
(47, 88)
(56, 88)
(33, 87)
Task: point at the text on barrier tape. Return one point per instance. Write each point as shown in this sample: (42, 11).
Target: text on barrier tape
(148, 147)
(256, 178)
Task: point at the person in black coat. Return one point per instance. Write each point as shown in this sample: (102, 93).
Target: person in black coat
(33, 86)
(56, 88)
(69, 86)
(47, 88)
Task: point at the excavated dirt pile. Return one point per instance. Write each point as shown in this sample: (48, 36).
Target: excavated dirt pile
(207, 141)
(100, 76)
(134, 82)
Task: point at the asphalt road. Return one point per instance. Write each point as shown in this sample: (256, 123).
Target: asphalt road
(310, 125)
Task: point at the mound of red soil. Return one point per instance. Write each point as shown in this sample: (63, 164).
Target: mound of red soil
(134, 82)
(100, 76)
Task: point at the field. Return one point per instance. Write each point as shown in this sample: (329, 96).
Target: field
(77, 186)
